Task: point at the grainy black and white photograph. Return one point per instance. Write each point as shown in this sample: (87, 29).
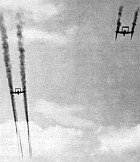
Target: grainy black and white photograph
(69, 81)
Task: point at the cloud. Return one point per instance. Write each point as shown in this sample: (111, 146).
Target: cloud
(33, 35)
(57, 143)
(120, 140)
(64, 115)
(48, 143)
(38, 11)
(52, 37)
(35, 9)
(72, 31)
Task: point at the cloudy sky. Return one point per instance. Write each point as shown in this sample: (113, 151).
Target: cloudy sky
(83, 87)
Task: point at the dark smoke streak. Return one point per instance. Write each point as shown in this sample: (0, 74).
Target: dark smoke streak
(16, 119)
(23, 75)
(6, 55)
(119, 17)
(120, 11)
(135, 19)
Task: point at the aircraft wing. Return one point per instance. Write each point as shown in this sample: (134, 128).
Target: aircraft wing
(14, 92)
(17, 92)
(22, 91)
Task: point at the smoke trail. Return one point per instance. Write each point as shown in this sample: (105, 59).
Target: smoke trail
(119, 17)
(6, 55)
(120, 11)
(16, 124)
(135, 19)
(22, 73)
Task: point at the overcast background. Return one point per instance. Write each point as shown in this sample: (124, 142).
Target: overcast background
(82, 86)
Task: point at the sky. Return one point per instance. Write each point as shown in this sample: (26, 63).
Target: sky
(82, 86)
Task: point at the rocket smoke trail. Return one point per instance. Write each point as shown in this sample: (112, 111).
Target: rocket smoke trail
(135, 19)
(118, 21)
(119, 17)
(23, 75)
(120, 11)
(6, 55)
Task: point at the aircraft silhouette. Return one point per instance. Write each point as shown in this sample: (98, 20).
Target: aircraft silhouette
(17, 91)
(125, 29)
